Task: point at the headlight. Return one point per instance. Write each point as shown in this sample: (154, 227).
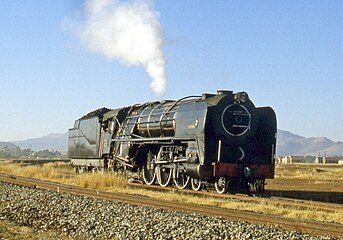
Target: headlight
(241, 97)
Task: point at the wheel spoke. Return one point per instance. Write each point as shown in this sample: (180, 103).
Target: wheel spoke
(196, 184)
(149, 170)
(149, 176)
(220, 185)
(181, 179)
(164, 176)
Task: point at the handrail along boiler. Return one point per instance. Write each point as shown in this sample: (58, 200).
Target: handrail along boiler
(215, 139)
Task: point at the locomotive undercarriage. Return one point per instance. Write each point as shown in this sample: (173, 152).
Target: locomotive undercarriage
(176, 174)
(170, 166)
(166, 167)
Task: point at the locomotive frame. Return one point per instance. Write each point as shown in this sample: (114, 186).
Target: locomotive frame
(214, 139)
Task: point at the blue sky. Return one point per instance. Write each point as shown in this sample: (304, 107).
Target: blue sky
(286, 54)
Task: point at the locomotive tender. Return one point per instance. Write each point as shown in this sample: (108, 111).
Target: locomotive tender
(220, 139)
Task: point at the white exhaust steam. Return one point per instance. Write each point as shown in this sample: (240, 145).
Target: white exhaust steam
(129, 32)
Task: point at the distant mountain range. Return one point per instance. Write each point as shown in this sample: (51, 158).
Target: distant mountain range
(291, 144)
(287, 144)
(8, 145)
(53, 141)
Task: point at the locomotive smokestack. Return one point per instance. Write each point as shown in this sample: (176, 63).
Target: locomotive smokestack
(129, 32)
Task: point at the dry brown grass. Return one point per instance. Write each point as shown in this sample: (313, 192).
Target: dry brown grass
(328, 172)
(308, 177)
(11, 231)
(105, 181)
(47, 171)
(61, 172)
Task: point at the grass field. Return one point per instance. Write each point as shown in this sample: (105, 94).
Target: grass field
(317, 182)
(307, 177)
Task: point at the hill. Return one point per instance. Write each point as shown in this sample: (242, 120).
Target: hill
(292, 144)
(53, 141)
(8, 145)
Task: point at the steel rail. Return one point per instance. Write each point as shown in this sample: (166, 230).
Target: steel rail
(312, 227)
(280, 201)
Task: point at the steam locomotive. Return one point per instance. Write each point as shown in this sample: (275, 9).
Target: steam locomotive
(219, 140)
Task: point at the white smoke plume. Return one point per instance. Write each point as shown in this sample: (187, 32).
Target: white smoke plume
(129, 32)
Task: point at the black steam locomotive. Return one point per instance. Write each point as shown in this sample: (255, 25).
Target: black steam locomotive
(215, 139)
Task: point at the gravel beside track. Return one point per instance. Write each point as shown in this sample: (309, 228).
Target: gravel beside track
(284, 202)
(90, 218)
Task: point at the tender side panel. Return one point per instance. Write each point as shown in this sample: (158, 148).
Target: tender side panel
(84, 139)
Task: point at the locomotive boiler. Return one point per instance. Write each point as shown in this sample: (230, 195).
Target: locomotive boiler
(219, 140)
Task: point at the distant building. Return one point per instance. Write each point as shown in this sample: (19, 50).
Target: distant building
(293, 159)
(285, 159)
(278, 160)
(328, 160)
(308, 159)
(319, 160)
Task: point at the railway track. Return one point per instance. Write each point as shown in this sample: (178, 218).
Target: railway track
(271, 196)
(312, 227)
(279, 201)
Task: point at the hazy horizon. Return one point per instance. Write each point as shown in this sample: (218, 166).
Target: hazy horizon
(66, 132)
